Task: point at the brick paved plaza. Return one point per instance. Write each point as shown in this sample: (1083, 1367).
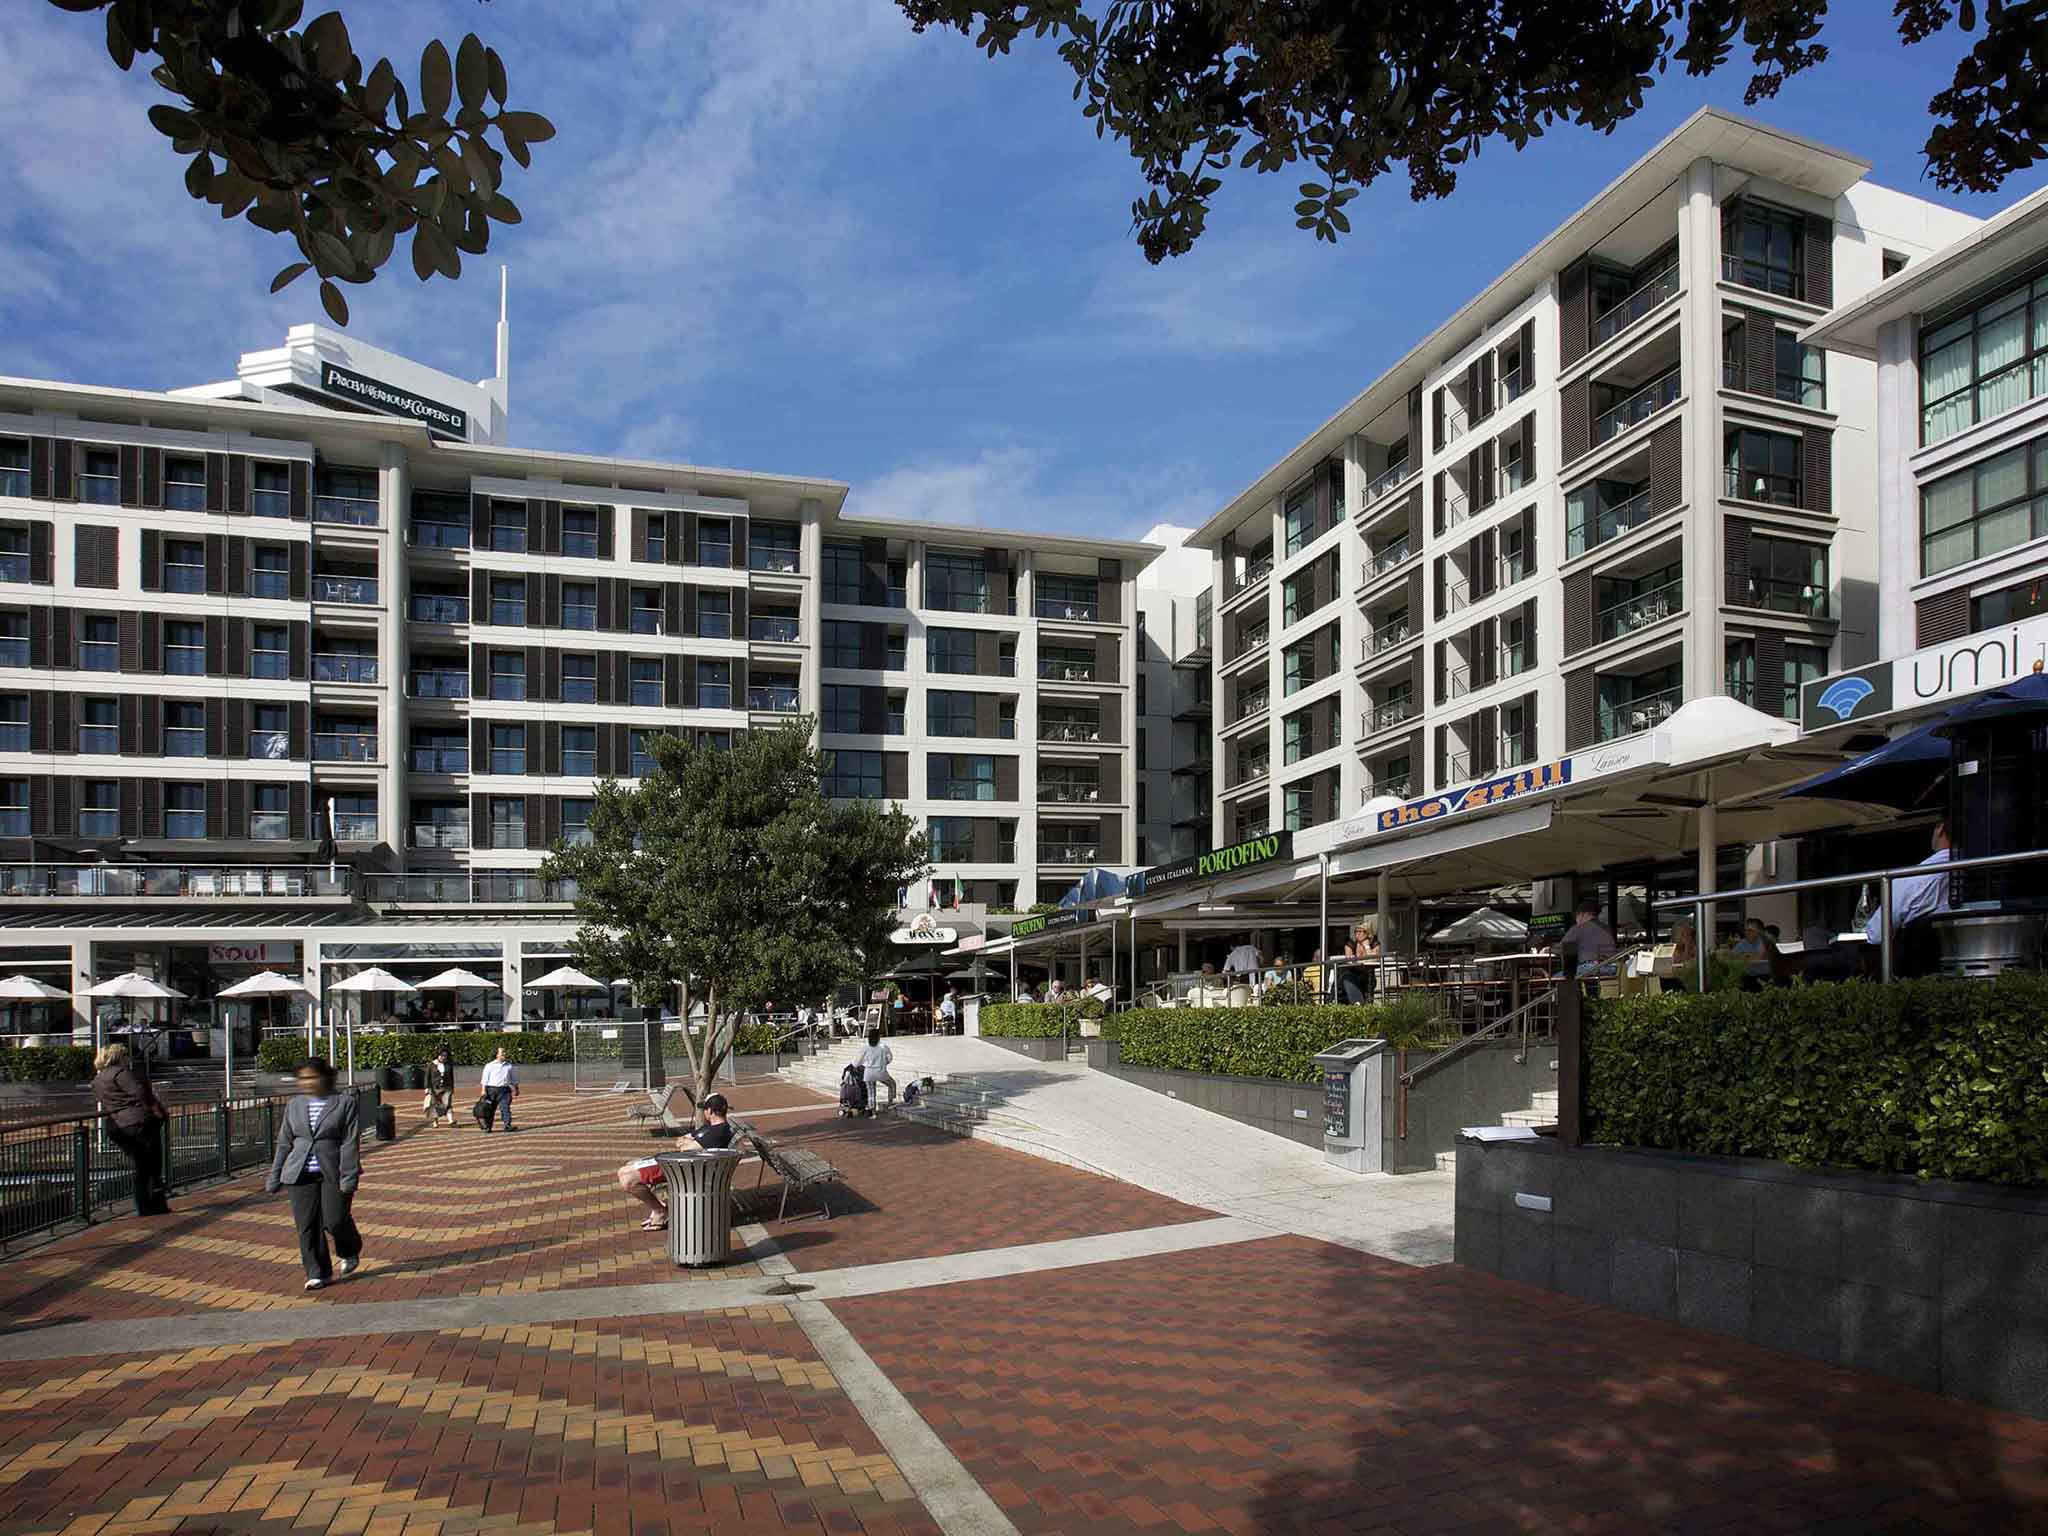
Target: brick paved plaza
(978, 1342)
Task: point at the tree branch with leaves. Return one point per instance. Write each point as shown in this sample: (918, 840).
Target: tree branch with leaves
(289, 128)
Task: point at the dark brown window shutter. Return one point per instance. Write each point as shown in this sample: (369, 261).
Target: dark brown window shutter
(39, 554)
(1006, 778)
(41, 456)
(215, 644)
(672, 536)
(152, 560)
(1575, 316)
(238, 483)
(1942, 617)
(300, 634)
(39, 637)
(551, 747)
(297, 811)
(39, 805)
(536, 672)
(671, 608)
(672, 681)
(1820, 261)
(238, 567)
(689, 681)
(605, 516)
(1575, 421)
(235, 649)
(896, 775)
(603, 679)
(1109, 591)
(238, 809)
(536, 820)
(93, 559)
(739, 543)
(63, 735)
(1817, 491)
(216, 482)
(607, 607)
(689, 626)
(689, 538)
(479, 672)
(1759, 353)
(1578, 612)
(1107, 648)
(551, 527)
(39, 722)
(216, 564)
(479, 746)
(63, 469)
(131, 725)
(1580, 714)
(63, 807)
(234, 744)
(1667, 467)
(131, 476)
(739, 682)
(479, 527)
(639, 545)
(216, 727)
(295, 576)
(152, 477)
(479, 822)
(550, 615)
(1735, 560)
(298, 724)
(131, 808)
(300, 494)
(873, 711)
(149, 734)
(63, 642)
(479, 597)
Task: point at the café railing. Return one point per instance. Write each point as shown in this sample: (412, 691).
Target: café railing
(171, 881)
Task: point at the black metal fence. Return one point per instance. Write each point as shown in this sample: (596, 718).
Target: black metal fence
(67, 1169)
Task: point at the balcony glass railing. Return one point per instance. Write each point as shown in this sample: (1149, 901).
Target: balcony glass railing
(892, 723)
(1256, 570)
(1457, 593)
(441, 834)
(274, 503)
(355, 826)
(1068, 791)
(779, 562)
(269, 746)
(779, 631)
(1643, 712)
(1512, 659)
(1079, 611)
(1641, 610)
(1068, 853)
(1457, 507)
(438, 685)
(1643, 298)
(425, 534)
(1760, 275)
(345, 747)
(1067, 671)
(469, 890)
(717, 554)
(356, 511)
(1756, 485)
(1249, 704)
(432, 608)
(1511, 752)
(172, 881)
(1658, 395)
(1609, 523)
(1250, 770)
(1513, 385)
(1384, 717)
(772, 700)
(438, 760)
(344, 669)
(358, 590)
(1779, 595)
(13, 481)
(1509, 569)
(1383, 482)
(1456, 420)
(1070, 730)
(1251, 640)
(1399, 789)
(1391, 555)
(1386, 636)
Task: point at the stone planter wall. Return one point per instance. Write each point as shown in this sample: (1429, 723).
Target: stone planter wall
(1293, 1110)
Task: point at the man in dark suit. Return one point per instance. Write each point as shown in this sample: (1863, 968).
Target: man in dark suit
(319, 1161)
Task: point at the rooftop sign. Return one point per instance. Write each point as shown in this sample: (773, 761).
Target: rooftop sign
(392, 401)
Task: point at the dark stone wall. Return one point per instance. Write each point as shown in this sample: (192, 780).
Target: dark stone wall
(1293, 1110)
(1476, 1089)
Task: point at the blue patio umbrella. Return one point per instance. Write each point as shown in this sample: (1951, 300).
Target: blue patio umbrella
(1908, 772)
(1096, 885)
(2027, 696)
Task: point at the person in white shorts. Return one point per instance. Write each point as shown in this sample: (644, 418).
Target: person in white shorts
(874, 1066)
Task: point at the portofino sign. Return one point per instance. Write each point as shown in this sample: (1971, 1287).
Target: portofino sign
(1051, 922)
(1252, 853)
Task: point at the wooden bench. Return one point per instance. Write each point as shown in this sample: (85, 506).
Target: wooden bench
(798, 1168)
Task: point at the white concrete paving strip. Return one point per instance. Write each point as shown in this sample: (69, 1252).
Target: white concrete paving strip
(337, 1319)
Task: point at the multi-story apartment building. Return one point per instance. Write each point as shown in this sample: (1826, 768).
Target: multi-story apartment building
(1613, 481)
(1175, 740)
(326, 595)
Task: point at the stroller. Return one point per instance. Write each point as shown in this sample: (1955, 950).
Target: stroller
(853, 1090)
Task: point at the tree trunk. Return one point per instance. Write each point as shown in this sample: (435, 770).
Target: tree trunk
(707, 1056)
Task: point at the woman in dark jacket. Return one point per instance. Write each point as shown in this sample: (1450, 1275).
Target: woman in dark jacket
(132, 1112)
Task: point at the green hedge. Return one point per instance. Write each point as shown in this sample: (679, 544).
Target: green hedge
(1945, 1079)
(1037, 1021)
(47, 1063)
(1277, 1042)
(468, 1048)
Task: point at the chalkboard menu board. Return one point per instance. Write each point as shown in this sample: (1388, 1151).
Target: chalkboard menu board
(1337, 1105)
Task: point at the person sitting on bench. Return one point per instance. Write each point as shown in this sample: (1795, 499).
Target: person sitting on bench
(638, 1178)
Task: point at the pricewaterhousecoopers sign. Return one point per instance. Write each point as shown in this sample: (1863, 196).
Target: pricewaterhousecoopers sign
(1252, 853)
(392, 401)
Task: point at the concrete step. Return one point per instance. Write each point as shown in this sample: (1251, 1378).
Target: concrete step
(1546, 1099)
(1529, 1117)
(1447, 1162)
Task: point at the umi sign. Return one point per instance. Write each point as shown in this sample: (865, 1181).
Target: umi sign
(1524, 781)
(1253, 852)
(1988, 659)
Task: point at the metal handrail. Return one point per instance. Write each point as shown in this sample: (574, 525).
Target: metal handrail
(1544, 1002)
(1387, 479)
(1659, 394)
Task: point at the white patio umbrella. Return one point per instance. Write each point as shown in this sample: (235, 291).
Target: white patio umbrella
(1485, 925)
(456, 979)
(568, 976)
(129, 984)
(375, 979)
(26, 989)
(262, 984)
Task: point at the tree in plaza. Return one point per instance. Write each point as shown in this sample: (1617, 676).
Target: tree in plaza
(734, 870)
(1348, 88)
(290, 129)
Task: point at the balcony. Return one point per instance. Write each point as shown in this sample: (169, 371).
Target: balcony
(1256, 570)
(438, 760)
(1513, 385)
(1300, 748)
(1061, 608)
(1511, 752)
(1757, 485)
(1067, 671)
(1763, 277)
(1642, 713)
(1611, 523)
(1249, 704)
(773, 699)
(1069, 792)
(892, 723)
(355, 826)
(1389, 557)
(344, 669)
(1641, 299)
(1388, 635)
(423, 533)
(266, 501)
(496, 888)
(1252, 640)
(776, 562)
(440, 834)
(1774, 594)
(1070, 730)
(1068, 853)
(1511, 660)
(267, 746)
(1509, 569)
(1397, 789)
(1249, 771)
(171, 882)
(774, 630)
(1387, 479)
(1641, 610)
(358, 591)
(345, 747)
(352, 511)
(1658, 395)
(450, 684)
(715, 553)
(433, 608)
(1384, 717)
(1457, 507)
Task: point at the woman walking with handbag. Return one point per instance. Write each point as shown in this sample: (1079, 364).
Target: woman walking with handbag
(319, 1162)
(441, 1088)
(133, 1117)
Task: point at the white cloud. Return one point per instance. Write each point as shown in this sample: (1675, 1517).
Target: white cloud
(1021, 488)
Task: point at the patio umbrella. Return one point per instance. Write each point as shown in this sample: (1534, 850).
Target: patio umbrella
(1484, 926)
(130, 984)
(26, 989)
(1906, 773)
(2024, 696)
(568, 976)
(456, 979)
(375, 979)
(266, 984)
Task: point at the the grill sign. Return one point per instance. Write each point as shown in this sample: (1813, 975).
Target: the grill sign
(1523, 781)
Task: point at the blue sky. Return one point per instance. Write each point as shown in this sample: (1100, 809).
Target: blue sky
(793, 236)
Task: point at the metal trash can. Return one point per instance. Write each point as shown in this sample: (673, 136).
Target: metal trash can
(700, 1204)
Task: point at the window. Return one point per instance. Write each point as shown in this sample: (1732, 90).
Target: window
(579, 532)
(714, 542)
(640, 762)
(579, 605)
(270, 813)
(99, 481)
(13, 722)
(953, 651)
(644, 681)
(13, 639)
(1802, 373)
(772, 547)
(952, 839)
(185, 648)
(270, 571)
(270, 731)
(1141, 695)
(184, 483)
(841, 711)
(842, 643)
(2008, 605)
(343, 495)
(1989, 507)
(508, 749)
(99, 643)
(184, 565)
(508, 600)
(185, 810)
(714, 685)
(1788, 576)
(99, 808)
(440, 521)
(1300, 805)
(269, 651)
(1763, 466)
(949, 714)
(715, 741)
(1299, 518)
(579, 679)
(13, 467)
(508, 675)
(1803, 663)
(853, 776)
(1764, 247)
(714, 615)
(1894, 264)
(1141, 751)
(508, 821)
(99, 726)
(576, 821)
(1066, 597)
(1986, 362)
(842, 572)
(14, 554)
(508, 527)
(579, 751)
(955, 582)
(644, 611)
(960, 776)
